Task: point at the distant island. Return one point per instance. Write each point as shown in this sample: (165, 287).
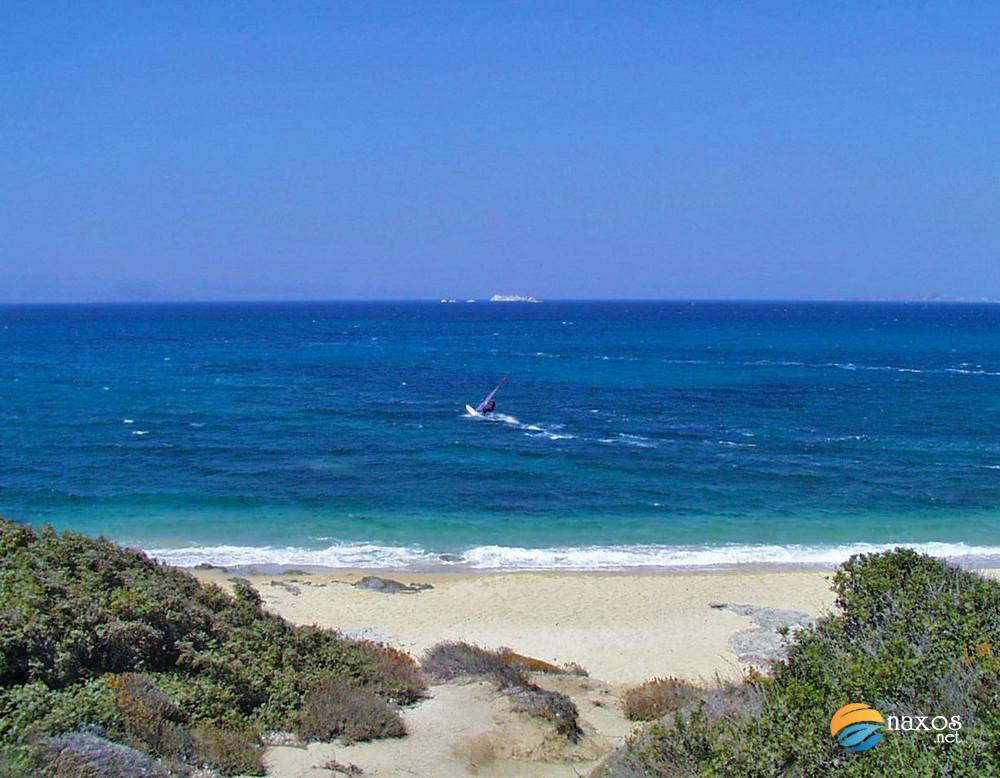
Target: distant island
(513, 298)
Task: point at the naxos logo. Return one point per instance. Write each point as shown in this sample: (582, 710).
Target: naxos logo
(858, 726)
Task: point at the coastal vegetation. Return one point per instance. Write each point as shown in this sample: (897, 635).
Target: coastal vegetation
(112, 664)
(913, 637)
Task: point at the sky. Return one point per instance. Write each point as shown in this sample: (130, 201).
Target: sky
(221, 151)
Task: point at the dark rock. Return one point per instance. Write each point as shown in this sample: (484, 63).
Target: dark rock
(767, 642)
(88, 753)
(291, 588)
(387, 585)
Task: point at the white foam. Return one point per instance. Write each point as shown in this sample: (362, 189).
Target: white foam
(141, 432)
(502, 558)
(503, 417)
(669, 557)
(339, 555)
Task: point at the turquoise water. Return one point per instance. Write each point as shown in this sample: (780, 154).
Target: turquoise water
(630, 434)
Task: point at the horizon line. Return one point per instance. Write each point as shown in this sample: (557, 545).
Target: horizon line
(470, 300)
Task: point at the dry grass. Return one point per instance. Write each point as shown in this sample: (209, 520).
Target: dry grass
(658, 697)
(452, 659)
(529, 663)
(151, 721)
(401, 670)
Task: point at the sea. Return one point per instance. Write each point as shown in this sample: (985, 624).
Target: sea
(629, 435)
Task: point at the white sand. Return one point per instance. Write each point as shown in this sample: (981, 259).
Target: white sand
(624, 628)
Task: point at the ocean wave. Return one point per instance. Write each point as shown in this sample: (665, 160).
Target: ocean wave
(626, 439)
(339, 555)
(582, 558)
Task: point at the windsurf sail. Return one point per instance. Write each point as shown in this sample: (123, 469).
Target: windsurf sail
(486, 400)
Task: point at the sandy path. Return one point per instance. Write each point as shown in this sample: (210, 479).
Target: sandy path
(468, 729)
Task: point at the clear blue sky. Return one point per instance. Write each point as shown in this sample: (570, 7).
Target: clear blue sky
(188, 150)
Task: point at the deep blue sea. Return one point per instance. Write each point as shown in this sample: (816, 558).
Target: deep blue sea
(630, 433)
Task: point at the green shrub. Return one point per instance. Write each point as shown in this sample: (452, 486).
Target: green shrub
(338, 708)
(91, 632)
(915, 636)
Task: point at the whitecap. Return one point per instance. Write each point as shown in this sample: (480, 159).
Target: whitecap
(626, 439)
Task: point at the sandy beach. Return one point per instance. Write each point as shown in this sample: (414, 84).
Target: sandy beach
(623, 628)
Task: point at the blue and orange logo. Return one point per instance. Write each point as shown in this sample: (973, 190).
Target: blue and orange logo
(857, 726)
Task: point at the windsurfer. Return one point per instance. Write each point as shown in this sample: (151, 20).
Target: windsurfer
(489, 404)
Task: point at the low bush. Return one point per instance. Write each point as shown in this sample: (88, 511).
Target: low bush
(230, 750)
(339, 708)
(454, 659)
(149, 719)
(914, 637)
(658, 697)
(551, 706)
